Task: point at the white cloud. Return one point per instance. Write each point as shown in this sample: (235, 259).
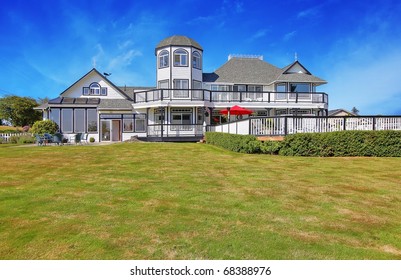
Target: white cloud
(289, 35)
(125, 44)
(123, 59)
(308, 13)
(259, 34)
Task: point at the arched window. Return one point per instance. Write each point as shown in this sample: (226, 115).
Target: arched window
(94, 89)
(163, 59)
(180, 57)
(196, 60)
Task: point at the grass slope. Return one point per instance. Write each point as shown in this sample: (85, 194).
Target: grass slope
(194, 201)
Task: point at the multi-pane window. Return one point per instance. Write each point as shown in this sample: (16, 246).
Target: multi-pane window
(197, 93)
(55, 116)
(128, 125)
(196, 60)
(163, 84)
(197, 84)
(66, 121)
(303, 88)
(181, 119)
(255, 93)
(94, 89)
(140, 123)
(180, 58)
(79, 120)
(92, 120)
(182, 85)
(163, 59)
(281, 90)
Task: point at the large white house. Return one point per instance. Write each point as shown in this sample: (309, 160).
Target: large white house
(185, 98)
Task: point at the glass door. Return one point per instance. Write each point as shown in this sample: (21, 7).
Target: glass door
(106, 130)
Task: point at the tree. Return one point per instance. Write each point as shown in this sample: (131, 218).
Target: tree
(19, 110)
(354, 111)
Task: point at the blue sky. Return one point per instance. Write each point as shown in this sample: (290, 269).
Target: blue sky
(45, 46)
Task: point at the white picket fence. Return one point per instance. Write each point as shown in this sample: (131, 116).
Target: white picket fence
(5, 137)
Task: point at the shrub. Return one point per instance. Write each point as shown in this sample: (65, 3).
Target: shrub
(46, 126)
(233, 142)
(270, 147)
(13, 139)
(92, 140)
(343, 143)
(26, 139)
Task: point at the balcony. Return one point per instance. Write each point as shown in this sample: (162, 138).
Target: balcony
(229, 96)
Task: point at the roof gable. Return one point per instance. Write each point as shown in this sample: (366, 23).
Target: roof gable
(297, 73)
(75, 90)
(295, 67)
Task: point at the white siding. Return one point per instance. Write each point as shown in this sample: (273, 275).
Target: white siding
(196, 74)
(77, 90)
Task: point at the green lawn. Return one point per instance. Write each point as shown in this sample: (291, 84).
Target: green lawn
(195, 201)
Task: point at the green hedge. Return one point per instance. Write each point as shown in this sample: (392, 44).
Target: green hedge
(233, 142)
(342, 143)
(242, 143)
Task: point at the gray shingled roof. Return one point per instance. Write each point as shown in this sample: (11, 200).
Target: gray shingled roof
(115, 104)
(178, 40)
(255, 71)
(244, 71)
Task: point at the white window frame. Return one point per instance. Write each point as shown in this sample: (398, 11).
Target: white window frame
(140, 118)
(196, 60)
(182, 84)
(79, 119)
(88, 120)
(164, 59)
(63, 118)
(180, 58)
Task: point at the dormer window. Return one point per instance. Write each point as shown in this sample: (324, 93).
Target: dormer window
(163, 59)
(180, 57)
(95, 89)
(196, 60)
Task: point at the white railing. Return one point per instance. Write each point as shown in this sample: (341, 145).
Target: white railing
(175, 130)
(238, 127)
(4, 137)
(290, 125)
(230, 96)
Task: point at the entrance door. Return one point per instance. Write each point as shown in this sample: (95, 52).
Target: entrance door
(111, 130)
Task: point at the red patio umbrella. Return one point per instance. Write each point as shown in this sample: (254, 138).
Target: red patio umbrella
(236, 110)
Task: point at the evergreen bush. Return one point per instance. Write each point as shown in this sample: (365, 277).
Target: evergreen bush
(46, 126)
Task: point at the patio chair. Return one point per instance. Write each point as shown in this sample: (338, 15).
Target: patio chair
(39, 140)
(57, 139)
(48, 138)
(78, 137)
(84, 138)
